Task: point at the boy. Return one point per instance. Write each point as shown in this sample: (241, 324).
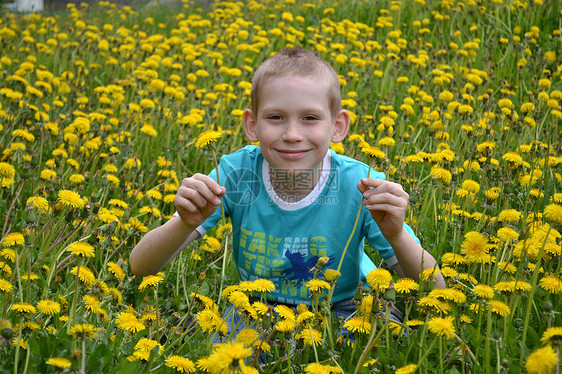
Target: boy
(292, 200)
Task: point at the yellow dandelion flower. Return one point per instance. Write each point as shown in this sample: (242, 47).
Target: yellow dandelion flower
(129, 322)
(406, 285)
(474, 247)
(77, 178)
(552, 335)
(285, 312)
(499, 307)
(5, 286)
(149, 130)
(81, 249)
(116, 270)
(317, 285)
(147, 345)
(553, 212)
(180, 364)
(442, 327)
(151, 281)
(209, 320)
(442, 175)
(225, 357)
(408, 369)
(286, 326)
(264, 285)
(239, 299)
(551, 284)
(59, 362)
(379, 279)
(22, 343)
(207, 137)
(48, 307)
(247, 336)
(260, 308)
(38, 203)
(83, 330)
(358, 324)
(23, 308)
(310, 336)
(13, 238)
(71, 199)
(317, 368)
(483, 291)
(48, 174)
(84, 274)
(542, 361)
(415, 323)
(374, 152)
(7, 170)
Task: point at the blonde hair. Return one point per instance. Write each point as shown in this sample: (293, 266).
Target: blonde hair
(297, 62)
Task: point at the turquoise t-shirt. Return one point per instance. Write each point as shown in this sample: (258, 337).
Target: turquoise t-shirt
(282, 240)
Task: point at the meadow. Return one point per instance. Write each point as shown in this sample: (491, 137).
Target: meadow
(101, 110)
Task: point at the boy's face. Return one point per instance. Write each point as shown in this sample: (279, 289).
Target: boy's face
(294, 124)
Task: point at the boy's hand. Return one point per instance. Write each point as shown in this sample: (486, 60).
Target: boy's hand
(387, 202)
(197, 198)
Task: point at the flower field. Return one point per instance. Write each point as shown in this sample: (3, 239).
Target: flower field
(101, 107)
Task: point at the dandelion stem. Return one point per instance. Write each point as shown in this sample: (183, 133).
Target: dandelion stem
(487, 344)
(223, 271)
(370, 343)
(313, 342)
(18, 345)
(348, 241)
(72, 316)
(83, 356)
(157, 313)
(10, 210)
(530, 299)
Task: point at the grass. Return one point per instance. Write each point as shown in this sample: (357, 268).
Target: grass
(108, 101)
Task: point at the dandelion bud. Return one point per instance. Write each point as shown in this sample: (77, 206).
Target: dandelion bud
(31, 217)
(266, 320)
(359, 292)
(324, 308)
(76, 354)
(322, 261)
(93, 239)
(7, 333)
(331, 275)
(390, 294)
(548, 307)
(6, 329)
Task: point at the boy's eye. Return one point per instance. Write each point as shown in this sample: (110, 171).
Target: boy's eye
(274, 117)
(310, 118)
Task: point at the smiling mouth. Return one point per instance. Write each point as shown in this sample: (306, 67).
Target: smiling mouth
(292, 154)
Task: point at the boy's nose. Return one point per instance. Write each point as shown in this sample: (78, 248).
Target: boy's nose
(292, 132)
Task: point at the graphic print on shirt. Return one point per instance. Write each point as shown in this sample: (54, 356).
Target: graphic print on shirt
(287, 261)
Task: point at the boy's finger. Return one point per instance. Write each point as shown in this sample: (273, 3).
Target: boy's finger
(372, 182)
(213, 186)
(210, 190)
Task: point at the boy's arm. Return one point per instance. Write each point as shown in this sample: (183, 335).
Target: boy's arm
(387, 203)
(197, 198)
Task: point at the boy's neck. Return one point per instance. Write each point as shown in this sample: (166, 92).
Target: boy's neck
(294, 187)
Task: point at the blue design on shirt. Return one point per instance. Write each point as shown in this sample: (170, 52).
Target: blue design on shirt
(301, 270)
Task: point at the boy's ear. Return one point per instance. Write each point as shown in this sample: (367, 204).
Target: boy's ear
(343, 120)
(250, 125)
